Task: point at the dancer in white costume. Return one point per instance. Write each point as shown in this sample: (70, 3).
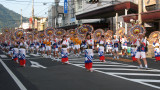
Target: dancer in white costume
(141, 44)
(22, 52)
(64, 52)
(89, 53)
(101, 49)
(115, 43)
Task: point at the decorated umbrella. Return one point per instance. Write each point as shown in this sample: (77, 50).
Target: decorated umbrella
(35, 32)
(154, 35)
(49, 31)
(81, 36)
(19, 33)
(41, 35)
(84, 29)
(108, 34)
(30, 36)
(136, 29)
(72, 31)
(97, 34)
(120, 31)
(5, 30)
(59, 32)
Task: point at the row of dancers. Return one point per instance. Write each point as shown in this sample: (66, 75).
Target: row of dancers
(17, 48)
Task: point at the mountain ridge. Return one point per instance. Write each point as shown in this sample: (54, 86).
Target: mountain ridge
(9, 18)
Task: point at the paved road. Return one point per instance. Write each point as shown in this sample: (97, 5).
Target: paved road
(44, 74)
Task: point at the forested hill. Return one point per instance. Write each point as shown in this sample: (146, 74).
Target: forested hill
(9, 18)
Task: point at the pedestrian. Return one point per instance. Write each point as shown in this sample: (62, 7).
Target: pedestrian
(141, 52)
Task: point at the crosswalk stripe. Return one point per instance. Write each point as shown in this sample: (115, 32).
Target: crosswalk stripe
(110, 65)
(96, 61)
(83, 62)
(124, 69)
(27, 56)
(75, 58)
(35, 55)
(120, 70)
(134, 74)
(3, 56)
(146, 80)
(133, 80)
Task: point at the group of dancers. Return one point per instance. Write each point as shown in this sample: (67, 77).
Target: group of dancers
(66, 44)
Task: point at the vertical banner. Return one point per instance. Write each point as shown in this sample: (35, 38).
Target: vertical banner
(65, 6)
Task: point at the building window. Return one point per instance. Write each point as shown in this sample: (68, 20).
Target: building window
(79, 4)
(72, 13)
(72, 2)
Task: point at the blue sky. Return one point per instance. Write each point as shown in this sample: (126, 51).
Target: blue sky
(26, 6)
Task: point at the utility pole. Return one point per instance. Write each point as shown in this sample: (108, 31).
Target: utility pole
(139, 11)
(33, 14)
(56, 7)
(21, 19)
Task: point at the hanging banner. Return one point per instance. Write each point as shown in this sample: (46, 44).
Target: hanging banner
(65, 6)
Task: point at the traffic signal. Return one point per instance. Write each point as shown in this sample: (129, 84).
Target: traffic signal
(93, 1)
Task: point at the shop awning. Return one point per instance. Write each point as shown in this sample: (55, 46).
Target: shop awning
(146, 16)
(68, 27)
(109, 11)
(95, 25)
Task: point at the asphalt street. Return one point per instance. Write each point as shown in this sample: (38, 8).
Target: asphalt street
(44, 74)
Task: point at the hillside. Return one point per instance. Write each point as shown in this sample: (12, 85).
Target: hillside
(9, 18)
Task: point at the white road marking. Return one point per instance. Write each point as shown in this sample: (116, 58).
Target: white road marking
(27, 56)
(147, 80)
(124, 69)
(35, 55)
(134, 74)
(116, 74)
(18, 82)
(109, 65)
(154, 86)
(3, 56)
(74, 59)
(6, 59)
(36, 64)
(83, 62)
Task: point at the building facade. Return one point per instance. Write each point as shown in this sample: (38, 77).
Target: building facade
(114, 18)
(53, 15)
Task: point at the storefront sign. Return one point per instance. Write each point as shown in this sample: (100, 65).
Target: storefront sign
(65, 6)
(73, 19)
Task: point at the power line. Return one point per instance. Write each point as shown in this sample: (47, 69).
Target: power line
(37, 2)
(18, 3)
